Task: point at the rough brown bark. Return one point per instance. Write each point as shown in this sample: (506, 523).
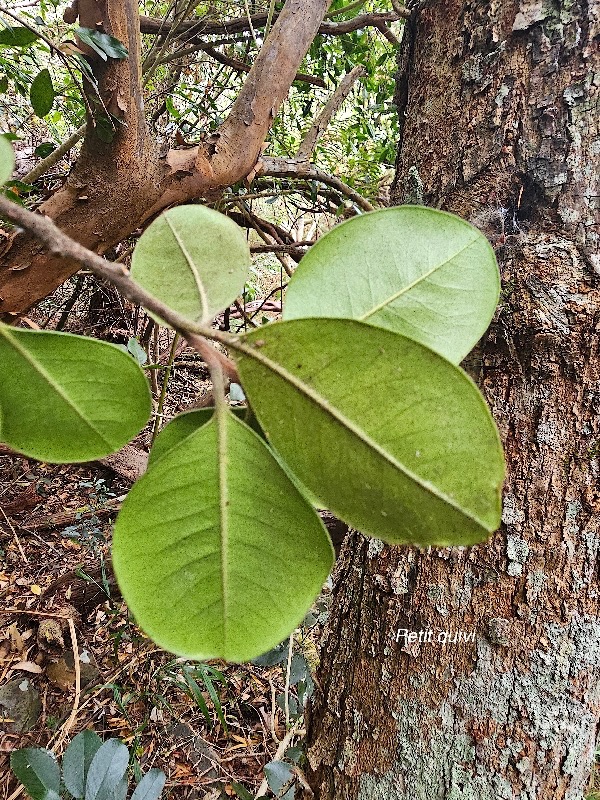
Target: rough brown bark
(116, 187)
(500, 111)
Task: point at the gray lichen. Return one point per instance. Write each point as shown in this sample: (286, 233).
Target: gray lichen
(537, 699)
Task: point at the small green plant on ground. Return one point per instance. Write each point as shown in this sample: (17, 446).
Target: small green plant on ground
(90, 770)
(356, 404)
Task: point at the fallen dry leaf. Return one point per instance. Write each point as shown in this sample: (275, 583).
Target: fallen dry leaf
(28, 666)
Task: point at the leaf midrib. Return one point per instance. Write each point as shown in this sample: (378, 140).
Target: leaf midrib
(52, 383)
(222, 420)
(197, 279)
(326, 406)
(414, 283)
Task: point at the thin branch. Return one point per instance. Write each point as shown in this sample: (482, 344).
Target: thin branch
(350, 7)
(154, 26)
(259, 226)
(362, 21)
(301, 170)
(385, 31)
(62, 245)
(240, 66)
(250, 25)
(290, 249)
(55, 156)
(330, 109)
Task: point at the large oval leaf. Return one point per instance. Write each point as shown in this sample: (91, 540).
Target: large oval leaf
(17, 37)
(68, 398)
(216, 552)
(7, 160)
(187, 423)
(193, 259)
(77, 759)
(393, 439)
(424, 273)
(38, 771)
(151, 785)
(106, 778)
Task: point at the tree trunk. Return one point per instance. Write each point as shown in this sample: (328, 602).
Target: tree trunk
(500, 109)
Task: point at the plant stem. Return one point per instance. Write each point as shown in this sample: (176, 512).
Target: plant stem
(163, 390)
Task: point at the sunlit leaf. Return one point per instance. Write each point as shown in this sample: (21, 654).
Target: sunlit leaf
(215, 551)
(187, 423)
(68, 398)
(391, 437)
(193, 259)
(424, 273)
(7, 160)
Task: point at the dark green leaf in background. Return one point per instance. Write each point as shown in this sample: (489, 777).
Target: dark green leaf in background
(105, 45)
(417, 271)
(17, 37)
(391, 437)
(44, 149)
(38, 771)
(214, 561)
(41, 93)
(67, 398)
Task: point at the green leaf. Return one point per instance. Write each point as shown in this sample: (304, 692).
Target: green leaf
(17, 37)
(38, 771)
(41, 93)
(216, 553)
(7, 160)
(392, 438)
(77, 760)
(193, 259)
(208, 674)
(420, 272)
(278, 774)
(187, 423)
(67, 398)
(151, 785)
(197, 694)
(135, 349)
(119, 792)
(105, 45)
(106, 772)
(241, 791)
(44, 149)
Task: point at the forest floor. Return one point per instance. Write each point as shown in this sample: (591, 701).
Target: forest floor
(211, 730)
